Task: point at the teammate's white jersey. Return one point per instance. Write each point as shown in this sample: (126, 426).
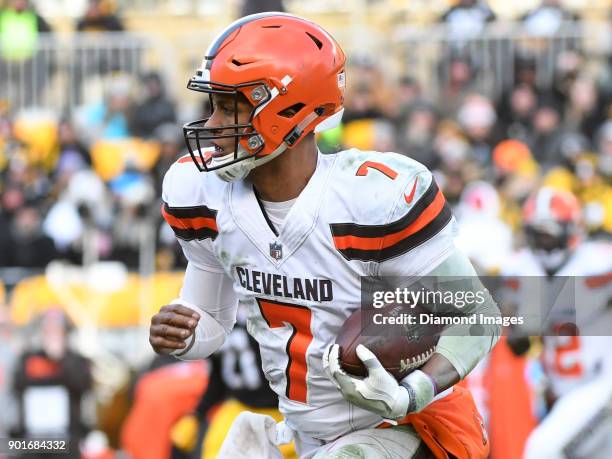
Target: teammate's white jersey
(361, 213)
(570, 361)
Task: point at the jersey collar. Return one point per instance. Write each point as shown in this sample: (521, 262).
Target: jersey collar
(301, 219)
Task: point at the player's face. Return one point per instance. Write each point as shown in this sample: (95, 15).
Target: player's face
(227, 111)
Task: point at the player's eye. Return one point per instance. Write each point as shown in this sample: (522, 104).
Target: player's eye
(226, 109)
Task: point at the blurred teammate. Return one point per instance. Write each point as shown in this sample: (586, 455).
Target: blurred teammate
(578, 365)
(288, 232)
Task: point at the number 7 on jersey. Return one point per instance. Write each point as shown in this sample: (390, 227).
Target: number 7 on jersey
(279, 314)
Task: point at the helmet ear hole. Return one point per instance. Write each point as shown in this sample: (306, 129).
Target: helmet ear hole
(326, 109)
(290, 112)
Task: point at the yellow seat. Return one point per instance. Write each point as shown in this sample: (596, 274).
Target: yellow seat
(359, 134)
(2, 293)
(38, 131)
(131, 305)
(110, 157)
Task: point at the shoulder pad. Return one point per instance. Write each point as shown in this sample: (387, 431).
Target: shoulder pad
(592, 258)
(398, 206)
(184, 184)
(191, 200)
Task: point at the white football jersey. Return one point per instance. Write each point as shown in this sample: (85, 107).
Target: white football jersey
(361, 214)
(570, 361)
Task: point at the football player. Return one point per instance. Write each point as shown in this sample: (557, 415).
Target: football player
(576, 361)
(288, 232)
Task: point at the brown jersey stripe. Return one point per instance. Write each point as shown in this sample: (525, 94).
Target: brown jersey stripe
(189, 223)
(408, 243)
(191, 234)
(354, 229)
(189, 212)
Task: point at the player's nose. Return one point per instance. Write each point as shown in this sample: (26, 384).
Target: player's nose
(215, 121)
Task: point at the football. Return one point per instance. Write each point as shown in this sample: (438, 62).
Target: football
(399, 348)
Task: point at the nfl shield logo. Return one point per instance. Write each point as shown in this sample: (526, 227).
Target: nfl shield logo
(276, 250)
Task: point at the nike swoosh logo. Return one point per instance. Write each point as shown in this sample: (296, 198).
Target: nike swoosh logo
(410, 197)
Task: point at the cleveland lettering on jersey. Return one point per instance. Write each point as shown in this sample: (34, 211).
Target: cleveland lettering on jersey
(287, 287)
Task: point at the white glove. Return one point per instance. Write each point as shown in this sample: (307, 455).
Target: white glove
(379, 392)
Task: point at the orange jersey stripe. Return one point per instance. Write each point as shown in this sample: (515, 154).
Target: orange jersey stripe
(599, 281)
(379, 243)
(185, 159)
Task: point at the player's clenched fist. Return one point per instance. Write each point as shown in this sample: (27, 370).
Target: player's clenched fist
(171, 326)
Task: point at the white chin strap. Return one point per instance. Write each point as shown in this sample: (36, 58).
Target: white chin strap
(331, 122)
(241, 169)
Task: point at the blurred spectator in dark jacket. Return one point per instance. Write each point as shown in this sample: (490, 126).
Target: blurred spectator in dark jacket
(20, 28)
(515, 110)
(260, 6)
(567, 69)
(457, 75)
(415, 135)
(73, 153)
(525, 70)
(49, 383)
(29, 246)
(99, 17)
(11, 199)
(407, 92)
(604, 150)
(585, 110)
(154, 110)
(171, 143)
(545, 140)
(366, 90)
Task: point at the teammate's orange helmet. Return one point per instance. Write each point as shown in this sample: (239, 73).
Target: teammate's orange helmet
(288, 68)
(551, 219)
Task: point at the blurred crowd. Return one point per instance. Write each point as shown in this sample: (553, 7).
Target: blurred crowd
(84, 185)
(503, 147)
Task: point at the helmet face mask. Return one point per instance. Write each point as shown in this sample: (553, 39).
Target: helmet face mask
(288, 70)
(546, 240)
(551, 248)
(200, 138)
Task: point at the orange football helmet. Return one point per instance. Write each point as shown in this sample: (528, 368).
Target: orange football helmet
(288, 68)
(552, 225)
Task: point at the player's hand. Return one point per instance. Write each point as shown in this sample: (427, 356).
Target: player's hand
(379, 392)
(171, 326)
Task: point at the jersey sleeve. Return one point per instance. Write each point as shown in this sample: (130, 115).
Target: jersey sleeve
(421, 231)
(192, 219)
